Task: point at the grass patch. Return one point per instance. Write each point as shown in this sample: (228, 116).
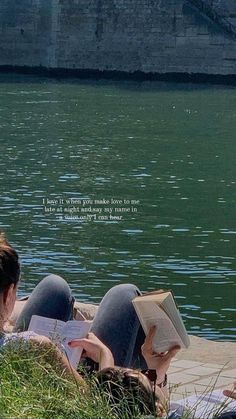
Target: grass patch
(33, 386)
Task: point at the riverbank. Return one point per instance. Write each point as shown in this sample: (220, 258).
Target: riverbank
(174, 37)
(200, 350)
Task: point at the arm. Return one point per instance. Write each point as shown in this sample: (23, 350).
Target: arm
(157, 361)
(94, 349)
(56, 355)
(231, 393)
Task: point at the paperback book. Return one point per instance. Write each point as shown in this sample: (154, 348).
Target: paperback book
(159, 309)
(61, 333)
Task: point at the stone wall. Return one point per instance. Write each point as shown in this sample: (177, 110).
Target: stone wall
(151, 36)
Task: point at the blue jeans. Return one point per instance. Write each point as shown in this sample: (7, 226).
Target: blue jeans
(51, 298)
(116, 323)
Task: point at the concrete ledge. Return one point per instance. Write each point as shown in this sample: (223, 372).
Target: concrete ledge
(81, 311)
(210, 351)
(84, 311)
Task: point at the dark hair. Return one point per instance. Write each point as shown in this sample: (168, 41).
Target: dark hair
(121, 387)
(9, 264)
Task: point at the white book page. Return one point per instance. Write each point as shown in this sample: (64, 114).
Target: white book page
(46, 327)
(205, 405)
(166, 336)
(173, 313)
(61, 333)
(74, 329)
(165, 300)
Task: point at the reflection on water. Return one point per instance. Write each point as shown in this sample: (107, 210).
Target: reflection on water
(171, 147)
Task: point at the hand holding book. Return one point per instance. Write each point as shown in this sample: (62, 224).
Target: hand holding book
(60, 333)
(157, 360)
(159, 309)
(94, 349)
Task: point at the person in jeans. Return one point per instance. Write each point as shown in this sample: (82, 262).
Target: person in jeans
(116, 337)
(115, 324)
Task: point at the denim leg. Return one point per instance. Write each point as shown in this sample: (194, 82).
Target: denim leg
(51, 298)
(227, 415)
(116, 324)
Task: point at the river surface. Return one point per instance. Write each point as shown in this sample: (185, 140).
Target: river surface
(158, 159)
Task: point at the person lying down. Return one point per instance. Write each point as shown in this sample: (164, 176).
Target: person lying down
(115, 345)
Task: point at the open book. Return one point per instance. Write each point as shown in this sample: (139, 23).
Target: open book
(159, 309)
(61, 333)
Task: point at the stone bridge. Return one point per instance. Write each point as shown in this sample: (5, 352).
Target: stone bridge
(152, 38)
(222, 12)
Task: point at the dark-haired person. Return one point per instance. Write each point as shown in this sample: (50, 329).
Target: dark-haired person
(130, 390)
(116, 323)
(51, 297)
(117, 329)
(145, 390)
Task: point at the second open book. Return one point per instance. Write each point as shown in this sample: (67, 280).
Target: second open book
(159, 309)
(61, 333)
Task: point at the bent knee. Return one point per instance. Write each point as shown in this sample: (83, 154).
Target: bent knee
(126, 289)
(54, 282)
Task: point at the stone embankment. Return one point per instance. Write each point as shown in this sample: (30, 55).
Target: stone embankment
(144, 37)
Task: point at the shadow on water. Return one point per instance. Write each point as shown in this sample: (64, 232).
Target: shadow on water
(174, 83)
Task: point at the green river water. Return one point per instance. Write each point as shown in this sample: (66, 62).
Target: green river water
(158, 158)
